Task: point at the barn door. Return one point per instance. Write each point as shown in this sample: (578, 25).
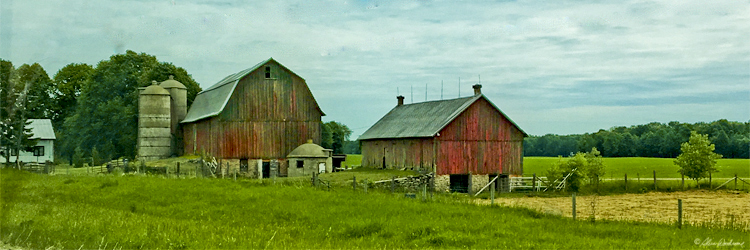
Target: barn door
(321, 167)
(266, 169)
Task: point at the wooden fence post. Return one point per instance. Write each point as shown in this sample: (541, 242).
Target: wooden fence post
(626, 183)
(654, 180)
(679, 213)
(735, 181)
(533, 183)
(492, 193)
(710, 183)
(393, 184)
(354, 183)
(178, 169)
(424, 191)
(574, 206)
(365, 183)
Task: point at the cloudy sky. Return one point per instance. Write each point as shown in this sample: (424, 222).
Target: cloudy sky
(556, 67)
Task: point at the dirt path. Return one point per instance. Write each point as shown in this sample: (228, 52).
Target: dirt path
(717, 207)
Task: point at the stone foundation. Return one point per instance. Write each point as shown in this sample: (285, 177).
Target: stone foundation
(442, 183)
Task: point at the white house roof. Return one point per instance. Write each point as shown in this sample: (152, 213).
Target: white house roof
(42, 129)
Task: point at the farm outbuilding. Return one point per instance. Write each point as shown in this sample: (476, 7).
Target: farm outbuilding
(465, 142)
(309, 158)
(44, 150)
(253, 117)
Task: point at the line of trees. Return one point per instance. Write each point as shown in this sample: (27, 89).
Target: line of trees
(93, 109)
(732, 140)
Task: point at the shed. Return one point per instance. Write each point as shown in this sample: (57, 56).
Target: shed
(309, 158)
(465, 142)
(255, 116)
(44, 150)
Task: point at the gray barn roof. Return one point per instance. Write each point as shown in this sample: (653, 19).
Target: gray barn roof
(210, 102)
(42, 129)
(423, 119)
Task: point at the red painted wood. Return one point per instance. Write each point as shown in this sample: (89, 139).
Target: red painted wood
(480, 140)
(263, 119)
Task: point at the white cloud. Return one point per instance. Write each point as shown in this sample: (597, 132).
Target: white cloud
(533, 57)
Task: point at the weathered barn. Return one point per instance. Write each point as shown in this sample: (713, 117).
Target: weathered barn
(254, 117)
(465, 141)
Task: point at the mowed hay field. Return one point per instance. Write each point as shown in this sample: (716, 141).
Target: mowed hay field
(151, 212)
(642, 167)
(700, 207)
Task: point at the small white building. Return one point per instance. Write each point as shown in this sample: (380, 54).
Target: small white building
(44, 149)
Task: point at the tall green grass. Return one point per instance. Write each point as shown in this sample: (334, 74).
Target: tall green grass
(148, 212)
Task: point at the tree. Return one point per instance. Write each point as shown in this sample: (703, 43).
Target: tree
(594, 168)
(39, 102)
(697, 158)
(78, 158)
(14, 132)
(107, 108)
(68, 83)
(96, 160)
(573, 167)
(339, 135)
(326, 136)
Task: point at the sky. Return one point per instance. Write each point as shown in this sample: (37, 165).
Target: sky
(553, 67)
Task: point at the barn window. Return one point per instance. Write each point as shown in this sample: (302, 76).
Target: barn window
(300, 164)
(244, 166)
(39, 151)
(268, 71)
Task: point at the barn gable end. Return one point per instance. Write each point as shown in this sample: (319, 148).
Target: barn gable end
(463, 136)
(263, 113)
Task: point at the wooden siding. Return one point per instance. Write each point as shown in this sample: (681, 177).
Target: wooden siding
(480, 140)
(413, 153)
(265, 118)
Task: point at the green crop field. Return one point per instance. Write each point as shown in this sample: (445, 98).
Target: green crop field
(642, 167)
(149, 212)
(633, 166)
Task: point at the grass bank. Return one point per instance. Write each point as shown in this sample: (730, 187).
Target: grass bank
(147, 212)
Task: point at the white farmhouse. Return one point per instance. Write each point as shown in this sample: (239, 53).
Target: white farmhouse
(44, 149)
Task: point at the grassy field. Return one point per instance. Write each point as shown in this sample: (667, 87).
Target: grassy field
(148, 212)
(641, 166)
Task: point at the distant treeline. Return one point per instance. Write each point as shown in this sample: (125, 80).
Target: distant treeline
(732, 140)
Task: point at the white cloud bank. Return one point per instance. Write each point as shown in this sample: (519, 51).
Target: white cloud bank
(553, 67)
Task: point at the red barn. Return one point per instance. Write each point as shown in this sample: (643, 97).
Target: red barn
(253, 119)
(465, 141)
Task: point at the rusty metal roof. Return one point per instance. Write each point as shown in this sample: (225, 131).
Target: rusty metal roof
(424, 119)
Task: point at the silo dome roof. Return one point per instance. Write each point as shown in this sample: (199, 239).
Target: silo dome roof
(308, 149)
(154, 89)
(172, 83)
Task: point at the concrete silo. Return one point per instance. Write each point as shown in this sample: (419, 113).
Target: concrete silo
(154, 123)
(178, 92)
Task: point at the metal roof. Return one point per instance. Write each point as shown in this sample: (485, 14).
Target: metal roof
(210, 102)
(42, 129)
(424, 119)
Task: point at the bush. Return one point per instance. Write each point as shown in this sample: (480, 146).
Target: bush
(78, 158)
